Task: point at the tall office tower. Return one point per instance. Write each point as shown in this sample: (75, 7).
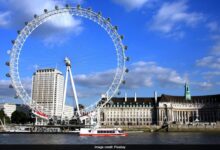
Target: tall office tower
(47, 91)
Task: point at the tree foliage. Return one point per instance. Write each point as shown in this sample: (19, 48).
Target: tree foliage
(80, 107)
(4, 116)
(19, 117)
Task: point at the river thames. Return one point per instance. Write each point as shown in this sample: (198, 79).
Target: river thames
(132, 138)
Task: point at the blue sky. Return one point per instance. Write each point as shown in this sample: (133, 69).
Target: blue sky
(169, 43)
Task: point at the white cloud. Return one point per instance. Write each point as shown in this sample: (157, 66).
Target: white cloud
(206, 84)
(159, 75)
(141, 75)
(215, 37)
(10, 92)
(213, 26)
(97, 80)
(131, 4)
(211, 74)
(4, 89)
(172, 16)
(216, 47)
(4, 17)
(203, 85)
(85, 93)
(4, 82)
(148, 73)
(209, 61)
(27, 83)
(21, 11)
(213, 60)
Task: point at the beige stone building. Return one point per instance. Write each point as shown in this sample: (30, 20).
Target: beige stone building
(165, 109)
(178, 110)
(128, 112)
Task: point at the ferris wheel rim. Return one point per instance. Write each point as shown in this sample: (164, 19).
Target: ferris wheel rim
(74, 11)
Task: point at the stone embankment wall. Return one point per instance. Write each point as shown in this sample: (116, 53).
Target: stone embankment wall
(175, 128)
(194, 128)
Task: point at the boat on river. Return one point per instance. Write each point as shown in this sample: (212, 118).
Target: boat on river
(102, 132)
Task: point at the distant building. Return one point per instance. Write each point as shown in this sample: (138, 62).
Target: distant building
(137, 111)
(68, 112)
(47, 91)
(8, 108)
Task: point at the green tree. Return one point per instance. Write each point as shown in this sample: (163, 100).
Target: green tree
(19, 117)
(73, 121)
(4, 116)
(80, 107)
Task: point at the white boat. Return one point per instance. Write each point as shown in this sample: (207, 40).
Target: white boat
(102, 132)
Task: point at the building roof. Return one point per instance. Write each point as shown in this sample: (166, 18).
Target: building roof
(48, 70)
(168, 98)
(164, 98)
(131, 100)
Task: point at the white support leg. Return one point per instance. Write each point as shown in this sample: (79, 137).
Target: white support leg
(74, 92)
(68, 65)
(64, 94)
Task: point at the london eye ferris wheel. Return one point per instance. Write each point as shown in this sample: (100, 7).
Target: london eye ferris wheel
(32, 25)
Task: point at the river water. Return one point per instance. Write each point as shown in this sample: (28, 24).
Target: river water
(132, 138)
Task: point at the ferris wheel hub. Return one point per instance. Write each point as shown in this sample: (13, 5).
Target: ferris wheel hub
(67, 61)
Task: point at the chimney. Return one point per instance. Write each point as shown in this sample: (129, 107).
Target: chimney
(155, 96)
(135, 97)
(125, 97)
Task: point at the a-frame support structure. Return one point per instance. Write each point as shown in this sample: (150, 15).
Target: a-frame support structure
(69, 73)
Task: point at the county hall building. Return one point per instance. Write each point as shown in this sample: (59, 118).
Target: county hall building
(142, 111)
